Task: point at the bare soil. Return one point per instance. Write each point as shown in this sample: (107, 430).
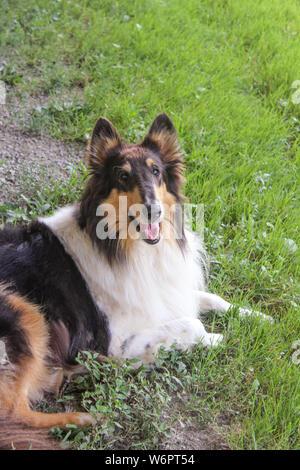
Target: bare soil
(25, 157)
(193, 438)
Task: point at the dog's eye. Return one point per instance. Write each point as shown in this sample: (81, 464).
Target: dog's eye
(155, 171)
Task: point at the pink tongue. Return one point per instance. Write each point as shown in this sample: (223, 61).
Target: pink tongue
(151, 230)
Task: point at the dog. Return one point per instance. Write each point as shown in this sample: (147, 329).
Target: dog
(78, 281)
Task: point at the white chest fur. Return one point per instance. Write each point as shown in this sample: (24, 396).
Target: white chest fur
(156, 286)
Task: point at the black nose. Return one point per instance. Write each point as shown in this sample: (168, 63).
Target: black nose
(153, 211)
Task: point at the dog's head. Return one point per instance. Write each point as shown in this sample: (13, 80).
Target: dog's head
(134, 189)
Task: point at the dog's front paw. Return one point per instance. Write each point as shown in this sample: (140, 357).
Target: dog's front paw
(212, 340)
(245, 312)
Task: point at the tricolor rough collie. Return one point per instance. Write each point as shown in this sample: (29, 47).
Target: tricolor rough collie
(115, 273)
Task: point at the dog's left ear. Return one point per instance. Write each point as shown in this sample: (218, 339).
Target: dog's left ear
(163, 135)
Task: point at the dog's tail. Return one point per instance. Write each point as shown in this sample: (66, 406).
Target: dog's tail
(19, 436)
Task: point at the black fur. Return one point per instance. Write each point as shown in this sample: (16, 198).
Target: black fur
(36, 264)
(11, 331)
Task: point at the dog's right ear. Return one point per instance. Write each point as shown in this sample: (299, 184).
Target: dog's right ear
(104, 138)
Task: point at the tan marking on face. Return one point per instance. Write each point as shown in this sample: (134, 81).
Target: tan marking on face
(167, 202)
(150, 162)
(127, 167)
(120, 220)
(163, 196)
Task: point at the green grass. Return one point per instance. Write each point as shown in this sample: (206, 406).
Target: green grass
(223, 70)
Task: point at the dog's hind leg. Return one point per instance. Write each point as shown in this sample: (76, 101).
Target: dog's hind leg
(208, 302)
(24, 332)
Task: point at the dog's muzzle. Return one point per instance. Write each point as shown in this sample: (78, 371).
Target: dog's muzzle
(150, 228)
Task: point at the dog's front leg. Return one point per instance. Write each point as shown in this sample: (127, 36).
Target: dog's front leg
(183, 333)
(208, 302)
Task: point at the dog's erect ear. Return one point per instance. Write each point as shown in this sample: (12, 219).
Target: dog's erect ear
(163, 134)
(104, 138)
(163, 137)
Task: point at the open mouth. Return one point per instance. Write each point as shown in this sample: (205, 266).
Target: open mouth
(151, 232)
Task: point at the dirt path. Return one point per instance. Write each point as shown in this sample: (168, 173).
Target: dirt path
(192, 438)
(27, 159)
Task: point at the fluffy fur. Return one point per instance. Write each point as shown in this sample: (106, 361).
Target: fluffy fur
(155, 289)
(65, 289)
